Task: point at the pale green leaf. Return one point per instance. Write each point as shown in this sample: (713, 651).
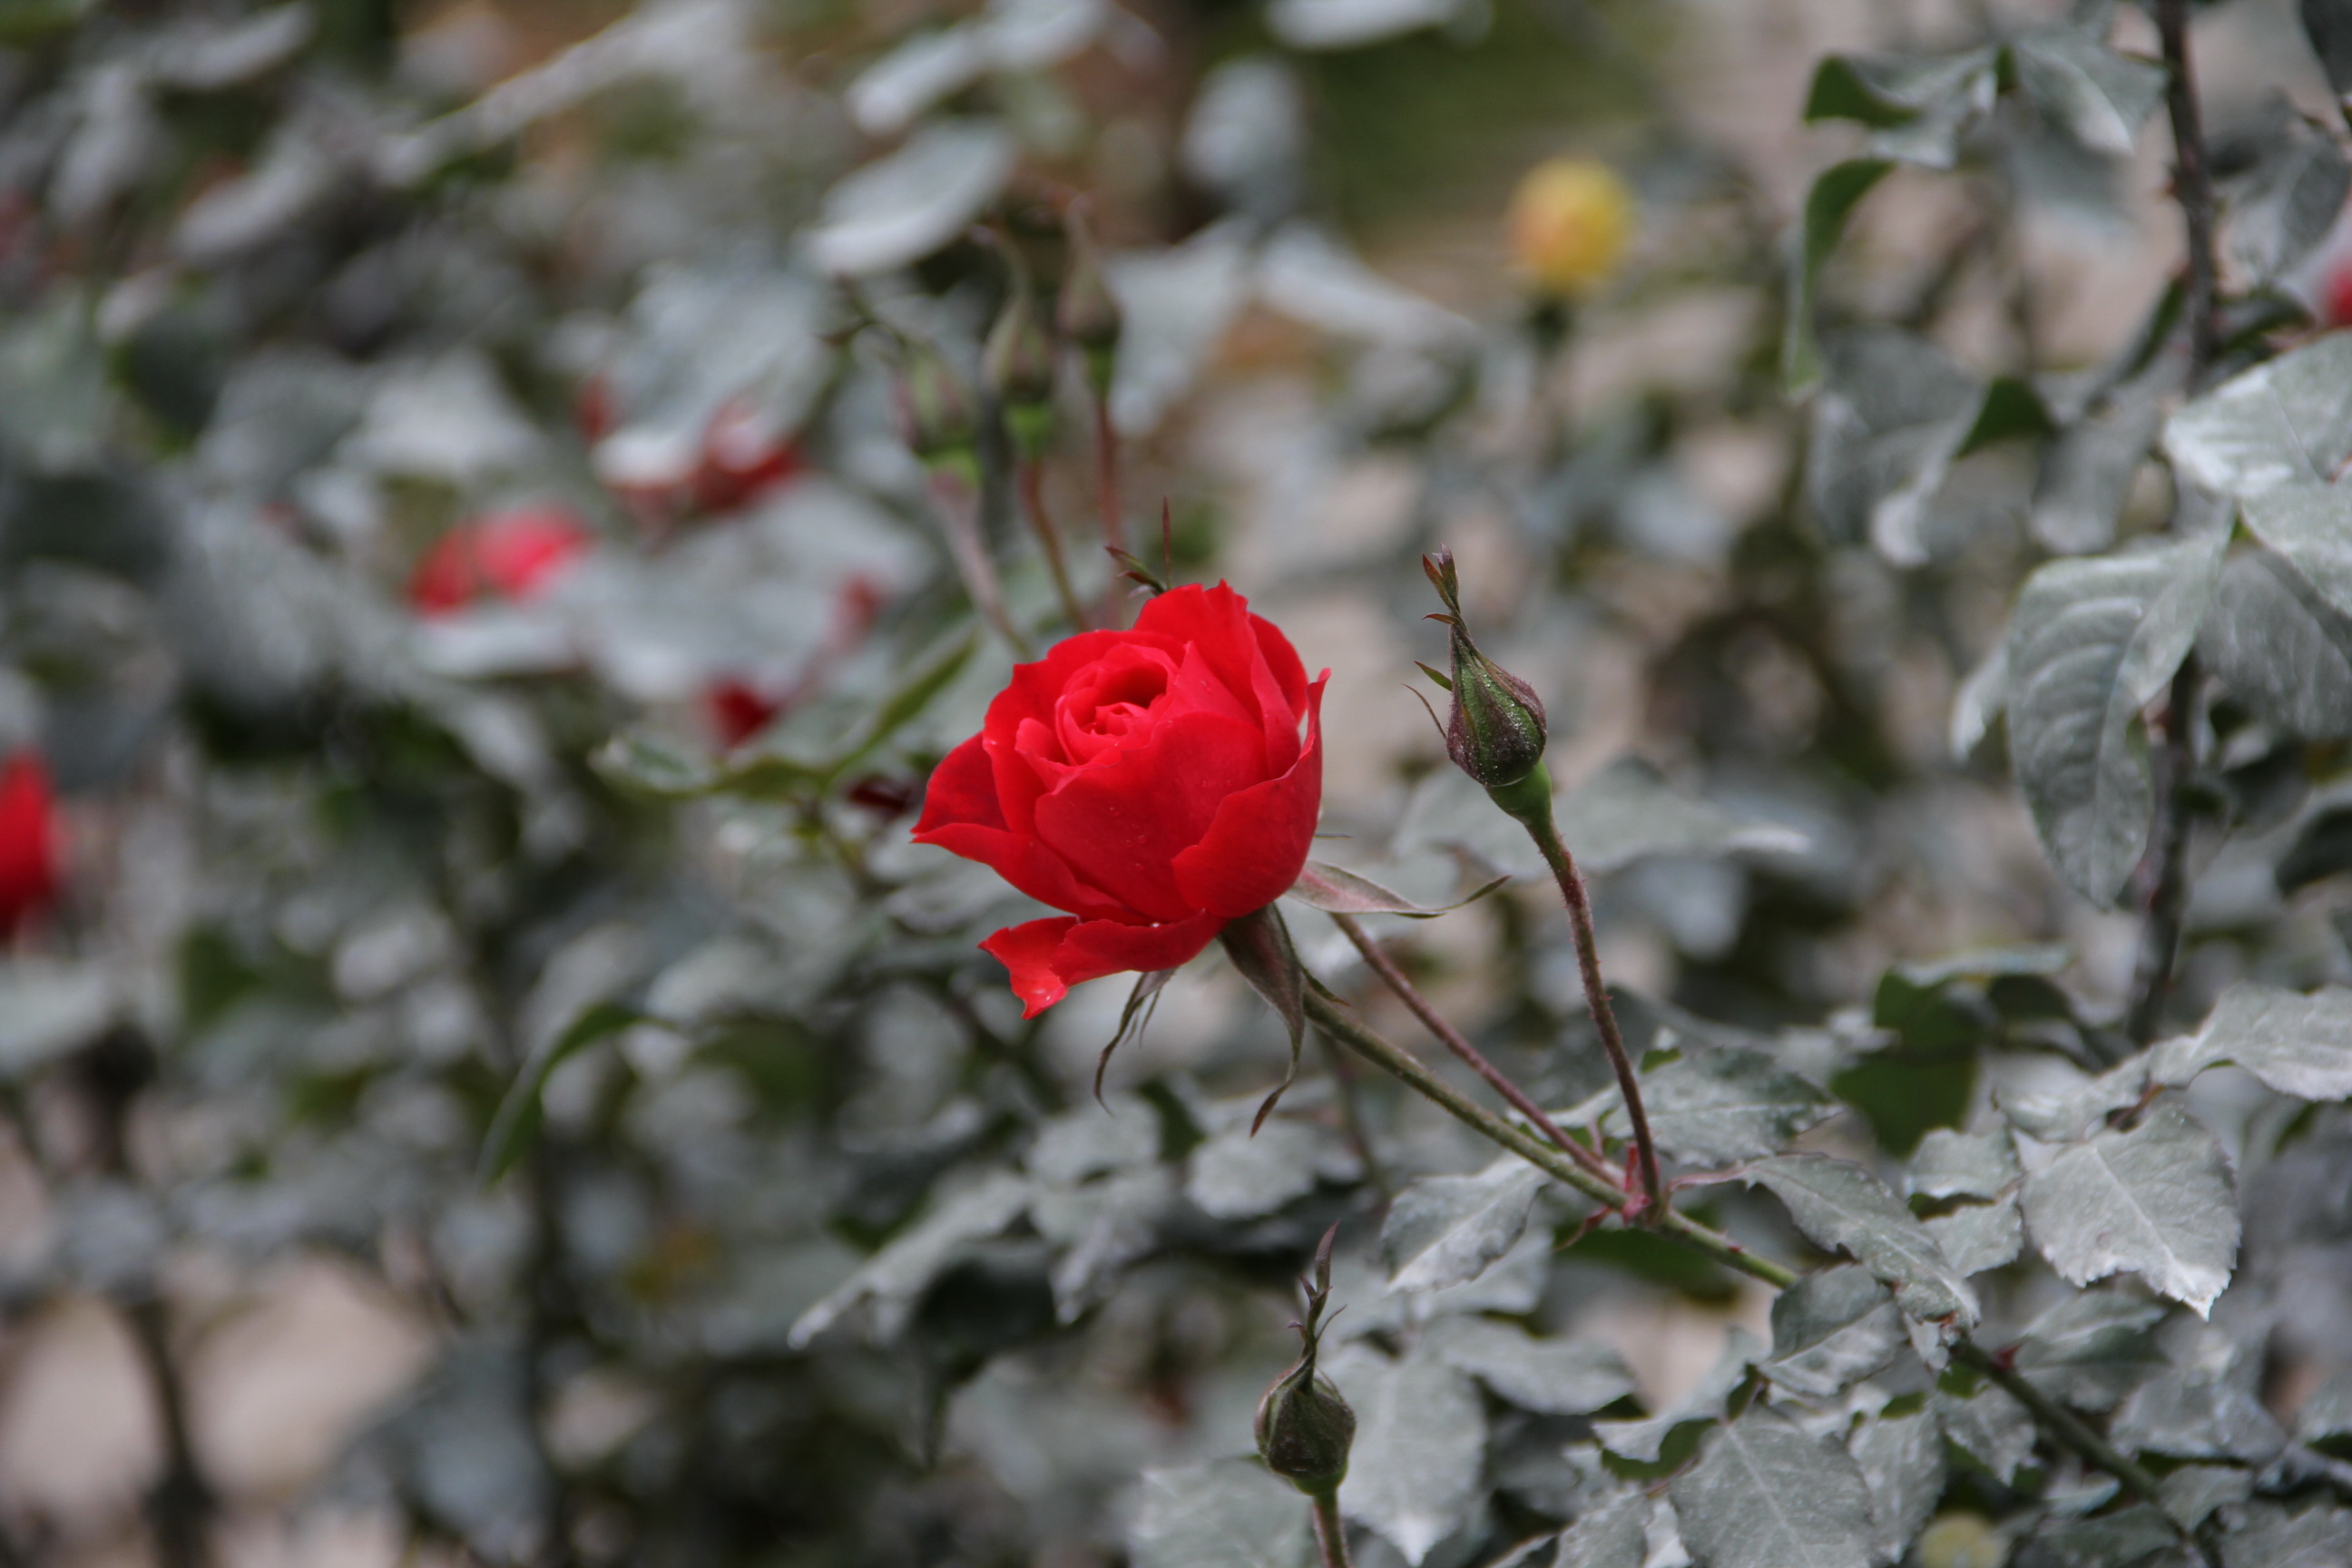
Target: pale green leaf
(1443, 1230)
(2300, 1046)
(1227, 1513)
(2157, 1200)
(1420, 1436)
(1841, 1207)
(1764, 1494)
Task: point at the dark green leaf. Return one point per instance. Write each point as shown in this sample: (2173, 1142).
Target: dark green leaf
(518, 1119)
(1837, 192)
(1833, 1327)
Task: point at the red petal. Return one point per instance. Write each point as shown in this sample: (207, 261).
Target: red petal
(1218, 621)
(29, 840)
(962, 790)
(1254, 849)
(1121, 825)
(1047, 957)
(959, 815)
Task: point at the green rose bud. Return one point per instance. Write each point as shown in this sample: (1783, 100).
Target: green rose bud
(936, 411)
(1305, 1427)
(1496, 732)
(1018, 367)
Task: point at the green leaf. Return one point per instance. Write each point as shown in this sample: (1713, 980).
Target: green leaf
(2325, 1419)
(1840, 1206)
(1421, 1437)
(1227, 1513)
(2099, 98)
(2086, 475)
(1962, 1166)
(1550, 1376)
(1978, 1237)
(2090, 1351)
(1927, 1078)
(888, 1284)
(2009, 409)
(517, 1122)
(1443, 1230)
(1627, 812)
(2135, 1537)
(2299, 1045)
(2208, 1407)
(1245, 1172)
(1614, 1535)
(1989, 1425)
(1764, 1494)
(2311, 525)
(2091, 642)
(1902, 1462)
(2286, 423)
(2319, 1537)
(2289, 204)
(49, 1009)
(1712, 1107)
(1833, 1327)
(1336, 890)
(1837, 192)
(1708, 1400)
(1892, 413)
(1915, 108)
(2280, 647)
(2193, 1491)
(2157, 1200)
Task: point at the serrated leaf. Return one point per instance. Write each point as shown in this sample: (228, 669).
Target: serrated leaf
(2279, 647)
(2288, 422)
(1550, 1376)
(2193, 1491)
(890, 1283)
(2319, 1537)
(1227, 1513)
(2310, 525)
(1614, 1535)
(1242, 1173)
(1712, 1107)
(2135, 1537)
(1707, 1400)
(1443, 1230)
(1420, 1436)
(2099, 97)
(1122, 1224)
(2299, 1045)
(2091, 642)
(1841, 1207)
(1835, 193)
(1962, 1166)
(2156, 1201)
(1989, 1427)
(1978, 1237)
(1833, 1327)
(2090, 1351)
(1902, 1462)
(2208, 1405)
(1764, 1494)
(1336, 890)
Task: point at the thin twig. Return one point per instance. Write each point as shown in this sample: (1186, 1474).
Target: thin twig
(1330, 1534)
(1049, 540)
(1452, 1041)
(959, 508)
(1349, 1094)
(2192, 188)
(1106, 497)
(1546, 834)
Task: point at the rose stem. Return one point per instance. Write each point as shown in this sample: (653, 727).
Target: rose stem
(1049, 539)
(1341, 1026)
(1542, 830)
(958, 510)
(1330, 1535)
(1452, 1041)
(1107, 499)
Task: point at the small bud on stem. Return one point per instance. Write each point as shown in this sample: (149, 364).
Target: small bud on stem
(1305, 1427)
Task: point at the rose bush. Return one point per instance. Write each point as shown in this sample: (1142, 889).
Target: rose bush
(1154, 782)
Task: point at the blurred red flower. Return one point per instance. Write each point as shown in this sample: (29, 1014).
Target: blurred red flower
(511, 554)
(29, 841)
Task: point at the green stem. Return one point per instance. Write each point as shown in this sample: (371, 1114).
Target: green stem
(1452, 1041)
(1330, 1534)
(1106, 497)
(1535, 816)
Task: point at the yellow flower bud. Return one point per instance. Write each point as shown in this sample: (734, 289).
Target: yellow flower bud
(1571, 223)
(1961, 1540)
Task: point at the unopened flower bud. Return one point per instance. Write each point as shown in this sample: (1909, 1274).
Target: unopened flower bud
(1089, 315)
(1018, 367)
(1570, 222)
(1496, 732)
(1305, 1427)
(935, 408)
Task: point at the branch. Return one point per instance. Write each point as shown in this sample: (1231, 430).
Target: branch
(1541, 829)
(1452, 1041)
(2192, 188)
(2167, 893)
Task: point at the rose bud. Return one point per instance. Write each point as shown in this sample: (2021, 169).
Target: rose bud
(1017, 366)
(1088, 314)
(1496, 732)
(936, 412)
(29, 841)
(1303, 1425)
(514, 554)
(1155, 783)
(739, 710)
(1571, 221)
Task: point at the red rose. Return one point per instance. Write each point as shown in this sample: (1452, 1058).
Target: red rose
(29, 841)
(504, 555)
(1153, 783)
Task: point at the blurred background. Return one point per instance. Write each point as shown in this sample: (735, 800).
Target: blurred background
(477, 605)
